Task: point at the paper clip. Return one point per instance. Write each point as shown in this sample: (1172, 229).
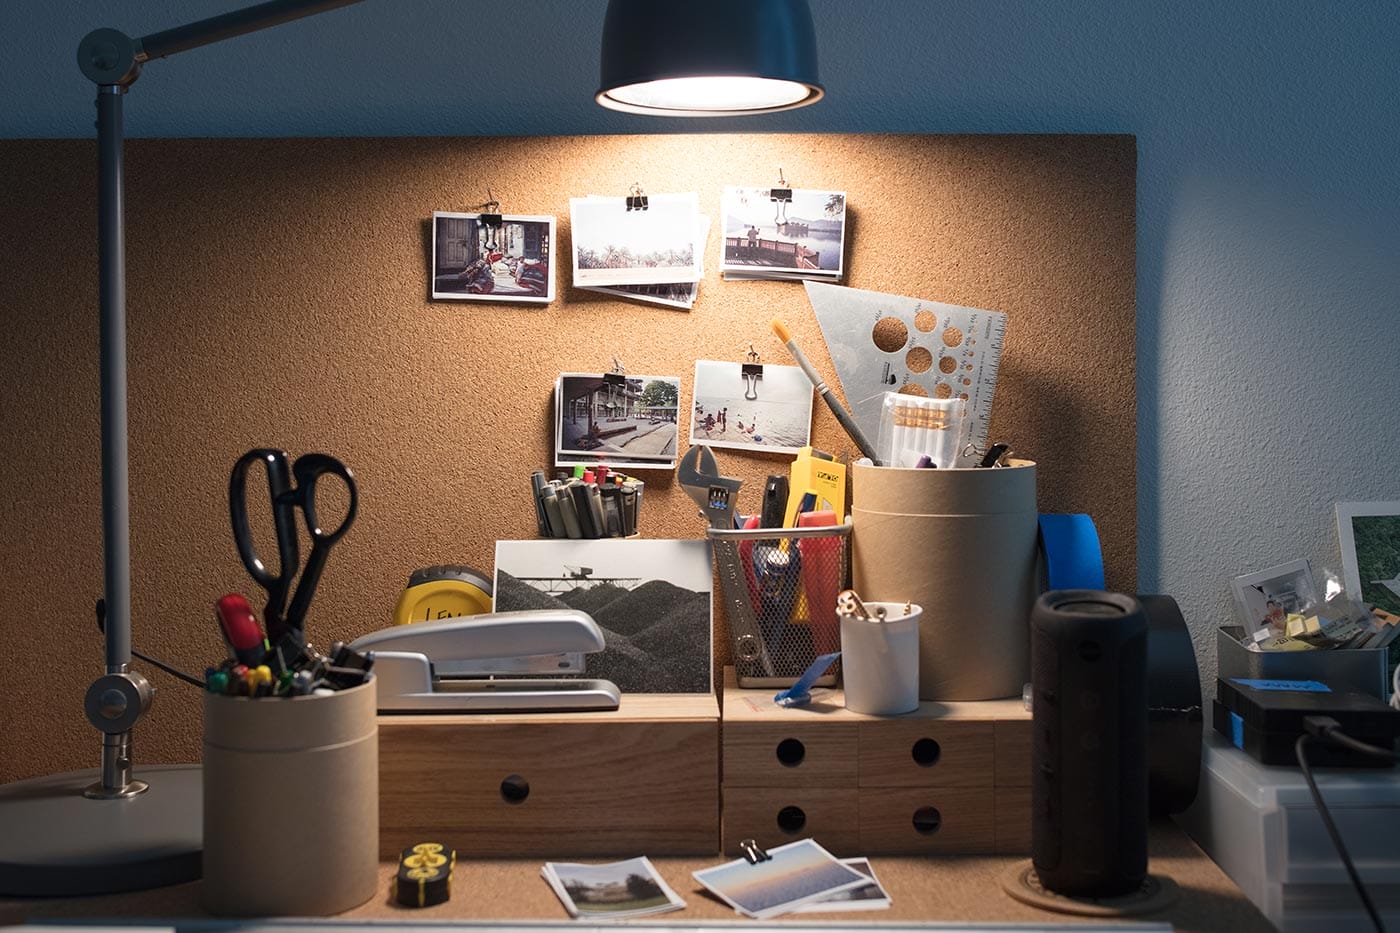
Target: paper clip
(752, 371)
(753, 853)
(636, 200)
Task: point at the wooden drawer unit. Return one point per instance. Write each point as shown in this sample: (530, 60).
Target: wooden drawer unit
(643, 778)
(947, 778)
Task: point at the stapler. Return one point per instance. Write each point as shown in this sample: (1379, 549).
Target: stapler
(472, 664)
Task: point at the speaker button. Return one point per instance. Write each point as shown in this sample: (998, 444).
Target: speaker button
(1089, 700)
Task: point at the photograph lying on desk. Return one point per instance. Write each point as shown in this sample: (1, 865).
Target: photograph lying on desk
(613, 891)
(651, 598)
(771, 411)
(616, 246)
(791, 233)
(512, 261)
(622, 419)
(667, 294)
(795, 874)
(1369, 533)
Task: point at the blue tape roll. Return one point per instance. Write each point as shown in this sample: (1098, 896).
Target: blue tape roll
(1073, 558)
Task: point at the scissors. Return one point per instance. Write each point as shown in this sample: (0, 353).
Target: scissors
(286, 624)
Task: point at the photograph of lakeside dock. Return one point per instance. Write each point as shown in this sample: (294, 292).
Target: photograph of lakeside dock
(629, 420)
(772, 237)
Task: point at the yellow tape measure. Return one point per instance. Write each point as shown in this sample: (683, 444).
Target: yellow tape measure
(443, 592)
(425, 875)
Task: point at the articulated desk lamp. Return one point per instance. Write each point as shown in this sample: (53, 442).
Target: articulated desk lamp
(68, 834)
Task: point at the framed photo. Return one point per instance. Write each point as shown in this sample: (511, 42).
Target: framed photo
(1369, 533)
(766, 238)
(650, 597)
(616, 246)
(616, 418)
(1265, 598)
(778, 419)
(473, 261)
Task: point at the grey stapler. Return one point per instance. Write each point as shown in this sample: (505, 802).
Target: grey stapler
(471, 663)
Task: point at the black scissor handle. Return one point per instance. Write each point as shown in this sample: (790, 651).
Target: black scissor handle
(308, 469)
(279, 484)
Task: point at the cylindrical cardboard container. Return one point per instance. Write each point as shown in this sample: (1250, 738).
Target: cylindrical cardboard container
(962, 544)
(880, 661)
(291, 803)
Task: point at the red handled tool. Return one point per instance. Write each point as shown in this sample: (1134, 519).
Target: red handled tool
(241, 630)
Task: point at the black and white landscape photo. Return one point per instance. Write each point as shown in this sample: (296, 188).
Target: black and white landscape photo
(650, 597)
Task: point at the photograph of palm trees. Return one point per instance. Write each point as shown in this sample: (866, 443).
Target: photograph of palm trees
(616, 246)
(650, 597)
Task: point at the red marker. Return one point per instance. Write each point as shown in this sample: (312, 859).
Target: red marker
(239, 625)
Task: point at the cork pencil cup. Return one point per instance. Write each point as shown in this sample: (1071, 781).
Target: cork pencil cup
(291, 803)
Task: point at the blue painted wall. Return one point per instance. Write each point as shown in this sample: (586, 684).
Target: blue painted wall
(1268, 191)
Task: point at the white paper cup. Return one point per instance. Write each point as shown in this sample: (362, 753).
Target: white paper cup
(880, 661)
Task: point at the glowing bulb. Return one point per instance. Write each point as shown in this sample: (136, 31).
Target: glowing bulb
(709, 95)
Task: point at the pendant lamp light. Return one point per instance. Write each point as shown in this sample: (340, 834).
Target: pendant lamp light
(708, 58)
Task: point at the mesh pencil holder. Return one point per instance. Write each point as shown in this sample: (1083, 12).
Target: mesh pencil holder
(780, 587)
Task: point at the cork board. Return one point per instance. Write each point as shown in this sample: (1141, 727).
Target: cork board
(277, 296)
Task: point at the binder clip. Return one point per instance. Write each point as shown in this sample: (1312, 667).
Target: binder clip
(781, 197)
(492, 216)
(753, 852)
(618, 376)
(636, 201)
(752, 371)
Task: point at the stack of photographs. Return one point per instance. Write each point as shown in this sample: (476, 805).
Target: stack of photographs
(795, 233)
(509, 261)
(615, 891)
(794, 876)
(654, 255)
(621, 420)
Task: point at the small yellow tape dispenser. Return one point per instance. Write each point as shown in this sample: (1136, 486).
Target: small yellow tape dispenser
(443, 592)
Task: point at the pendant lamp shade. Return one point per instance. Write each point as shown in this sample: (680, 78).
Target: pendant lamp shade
(708, 58)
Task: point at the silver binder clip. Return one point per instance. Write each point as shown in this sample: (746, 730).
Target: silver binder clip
(752, 371)
(753, 853)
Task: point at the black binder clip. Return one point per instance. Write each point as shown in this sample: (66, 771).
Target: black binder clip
(636, 201)
(492, 217)
(752, 371)
(618, 376)
(753, 853)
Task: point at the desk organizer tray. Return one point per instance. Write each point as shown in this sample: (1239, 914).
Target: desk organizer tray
(948, 778)
(641, 778)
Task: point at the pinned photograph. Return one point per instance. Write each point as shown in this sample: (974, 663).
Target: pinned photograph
(616, 417)
(613, 245)
(768, 409)
(802, 236)
(796, 874)
(510, 261)
(667, 294)
(650, 597)
(631, 888)
(1265, 598)
(1369, 533)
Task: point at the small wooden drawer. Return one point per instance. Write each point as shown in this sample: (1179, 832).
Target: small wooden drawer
(1013, 752)
(1013, 827)
(773, 816)
(804, 752)
(925, 753)
(927, 821)
(644, 778)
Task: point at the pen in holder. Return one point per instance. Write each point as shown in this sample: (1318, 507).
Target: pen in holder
(291, 803)
(913, 426)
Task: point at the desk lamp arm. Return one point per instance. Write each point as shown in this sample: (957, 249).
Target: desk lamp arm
(112, 60)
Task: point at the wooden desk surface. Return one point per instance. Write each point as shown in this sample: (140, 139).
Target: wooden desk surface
(965, 888)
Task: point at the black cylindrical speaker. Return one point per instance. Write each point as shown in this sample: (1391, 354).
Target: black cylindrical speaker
(1089, 751)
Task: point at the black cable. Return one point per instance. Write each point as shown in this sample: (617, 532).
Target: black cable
(102, 627)
(1299, 749)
